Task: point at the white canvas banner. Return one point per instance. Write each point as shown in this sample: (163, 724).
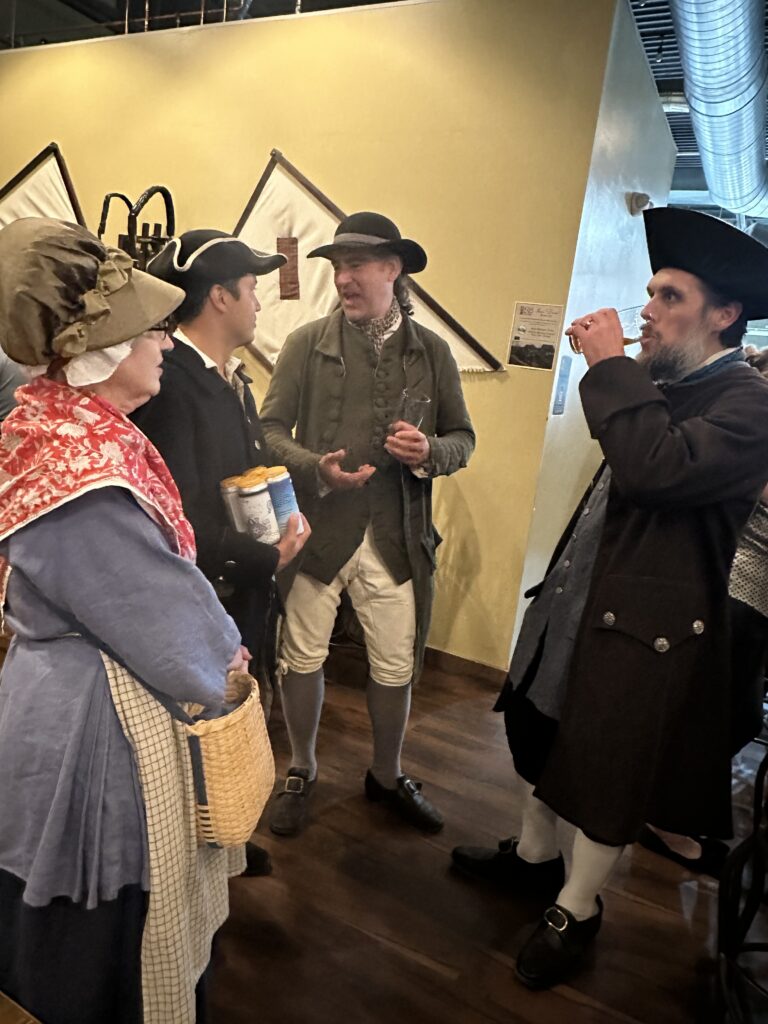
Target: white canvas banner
(40, 193)
(287, 217)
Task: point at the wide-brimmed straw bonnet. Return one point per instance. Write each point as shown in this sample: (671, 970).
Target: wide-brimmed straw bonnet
(63, 292)
(377, 234)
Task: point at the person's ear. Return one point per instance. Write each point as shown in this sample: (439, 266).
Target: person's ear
(395, 268)
(217, 296)
(727, 315)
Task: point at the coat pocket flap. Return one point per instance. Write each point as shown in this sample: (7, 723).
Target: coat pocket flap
(659, 613)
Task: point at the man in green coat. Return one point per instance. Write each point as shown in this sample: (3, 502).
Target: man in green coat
(378, 411)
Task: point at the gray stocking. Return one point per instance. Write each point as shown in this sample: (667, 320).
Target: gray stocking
(388, 707)
(302, 698)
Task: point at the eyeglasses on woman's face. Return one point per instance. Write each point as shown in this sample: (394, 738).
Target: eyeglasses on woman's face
(161, 330)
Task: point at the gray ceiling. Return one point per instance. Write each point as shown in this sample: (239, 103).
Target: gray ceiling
(31, 22)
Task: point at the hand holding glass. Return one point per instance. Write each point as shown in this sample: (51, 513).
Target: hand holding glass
(631, 326)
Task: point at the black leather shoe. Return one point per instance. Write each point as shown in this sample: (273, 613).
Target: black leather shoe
(407, 800)
(557, 948)
(257, 861)
(710, 861)
(503, 867)
(290, 809)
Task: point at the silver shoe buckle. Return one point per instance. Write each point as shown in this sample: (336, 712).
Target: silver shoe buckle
(294, 784)
(556, 919)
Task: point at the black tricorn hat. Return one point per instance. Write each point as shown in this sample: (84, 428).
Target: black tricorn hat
(206, 256)
(373, 231)
(729, 261)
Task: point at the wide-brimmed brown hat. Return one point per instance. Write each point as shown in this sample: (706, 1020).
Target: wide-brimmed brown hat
(731, 262)
(379, 235)
(63, 292)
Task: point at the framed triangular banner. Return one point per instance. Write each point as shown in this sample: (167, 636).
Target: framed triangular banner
(288, 213)
(42, 188)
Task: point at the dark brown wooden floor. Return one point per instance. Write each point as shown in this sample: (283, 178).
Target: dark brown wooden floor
(363, 921)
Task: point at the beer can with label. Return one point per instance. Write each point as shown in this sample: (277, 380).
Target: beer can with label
(230, 495)
(283, 499)
(258, 514)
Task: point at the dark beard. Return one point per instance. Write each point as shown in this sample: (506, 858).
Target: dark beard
(670, 365)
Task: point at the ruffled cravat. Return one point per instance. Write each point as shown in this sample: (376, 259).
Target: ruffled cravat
(378, 329)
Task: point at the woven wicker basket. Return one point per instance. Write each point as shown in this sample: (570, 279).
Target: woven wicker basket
(234, 772)
(12, 1013)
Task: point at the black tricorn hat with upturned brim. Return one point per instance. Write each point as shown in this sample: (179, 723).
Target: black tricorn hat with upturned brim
(732, 263)
(379, 235)
(206, 256)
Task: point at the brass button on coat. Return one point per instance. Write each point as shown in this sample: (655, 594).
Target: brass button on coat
(698, 627)
(609, 618)
(661, 644)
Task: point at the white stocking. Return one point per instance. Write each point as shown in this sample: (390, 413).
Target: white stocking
(590, 870)
(538, 836)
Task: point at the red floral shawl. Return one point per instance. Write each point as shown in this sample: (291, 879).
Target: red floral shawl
(60, 442)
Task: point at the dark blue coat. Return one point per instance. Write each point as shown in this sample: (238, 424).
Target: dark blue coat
(205, 434)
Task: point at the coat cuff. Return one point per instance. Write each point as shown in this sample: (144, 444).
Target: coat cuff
(613, 386)
(247, 561)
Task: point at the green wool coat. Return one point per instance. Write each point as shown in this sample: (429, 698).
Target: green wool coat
(309, 380)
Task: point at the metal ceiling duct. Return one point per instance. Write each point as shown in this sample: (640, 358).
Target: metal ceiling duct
(726, 81)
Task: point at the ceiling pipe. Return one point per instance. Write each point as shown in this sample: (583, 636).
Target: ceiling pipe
(726, 82)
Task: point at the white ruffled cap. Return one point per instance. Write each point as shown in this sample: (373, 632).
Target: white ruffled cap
(89, 368)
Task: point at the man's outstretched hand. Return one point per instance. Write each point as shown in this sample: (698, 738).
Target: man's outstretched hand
(337, 478)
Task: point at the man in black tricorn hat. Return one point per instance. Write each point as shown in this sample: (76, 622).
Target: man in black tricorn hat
(205, 424)
(376, 403)
(617, 700)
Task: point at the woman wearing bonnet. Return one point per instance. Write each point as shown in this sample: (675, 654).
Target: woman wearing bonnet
(107, 905)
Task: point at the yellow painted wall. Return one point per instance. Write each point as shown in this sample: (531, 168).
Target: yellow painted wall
(470, 122)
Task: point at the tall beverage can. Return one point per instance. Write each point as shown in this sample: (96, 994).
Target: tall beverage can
(230, 495)
(258, 514)
(283, 499)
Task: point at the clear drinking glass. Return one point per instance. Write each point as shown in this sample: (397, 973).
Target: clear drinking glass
(412, 408)
(631, 326)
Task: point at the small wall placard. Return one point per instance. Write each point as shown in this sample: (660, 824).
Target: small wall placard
(536, 331)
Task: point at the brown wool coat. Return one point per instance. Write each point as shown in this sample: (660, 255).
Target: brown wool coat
(644, 734)
(308, 382)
